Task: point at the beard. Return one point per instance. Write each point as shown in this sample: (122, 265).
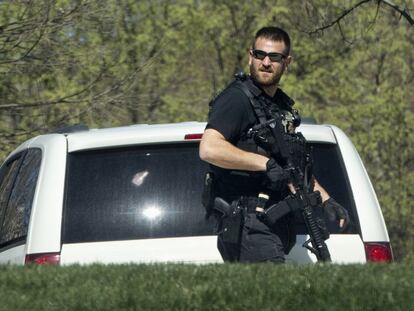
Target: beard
(265, 77)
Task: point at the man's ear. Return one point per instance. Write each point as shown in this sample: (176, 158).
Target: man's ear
(250, 56)
(287, 62)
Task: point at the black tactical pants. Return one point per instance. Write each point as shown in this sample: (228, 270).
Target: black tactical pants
(258, 243)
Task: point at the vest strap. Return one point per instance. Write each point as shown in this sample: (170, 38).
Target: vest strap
(253, 93)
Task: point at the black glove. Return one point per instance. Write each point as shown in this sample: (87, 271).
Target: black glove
(335, 211)
(277, 177)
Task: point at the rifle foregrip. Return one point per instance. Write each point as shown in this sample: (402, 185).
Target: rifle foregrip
(320, 249)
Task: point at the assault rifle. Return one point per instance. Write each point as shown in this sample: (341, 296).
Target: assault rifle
(269, 136)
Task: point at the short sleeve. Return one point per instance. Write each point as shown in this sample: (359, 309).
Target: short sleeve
(231, 114)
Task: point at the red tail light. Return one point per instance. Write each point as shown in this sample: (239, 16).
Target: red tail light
(43, 259)
(378, 252)
(193, 136)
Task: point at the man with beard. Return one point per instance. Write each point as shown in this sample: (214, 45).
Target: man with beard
(240, 168)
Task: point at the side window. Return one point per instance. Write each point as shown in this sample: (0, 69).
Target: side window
(17, 215)
(7, 176)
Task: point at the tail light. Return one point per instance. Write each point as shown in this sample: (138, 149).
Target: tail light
(43, 259)
(193, 136)
(378, 252)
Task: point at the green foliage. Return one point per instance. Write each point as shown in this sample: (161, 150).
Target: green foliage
(210, 287)
(110, 62)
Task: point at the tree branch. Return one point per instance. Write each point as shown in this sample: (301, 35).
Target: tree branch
(14, 34)
(338, 19)
(404, 13)
(71, 98)
(62, 100)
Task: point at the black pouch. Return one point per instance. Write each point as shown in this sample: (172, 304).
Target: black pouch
(276, 211)
(207, 197)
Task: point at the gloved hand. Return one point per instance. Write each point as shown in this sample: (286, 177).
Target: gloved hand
(277, 177)
(336, 212)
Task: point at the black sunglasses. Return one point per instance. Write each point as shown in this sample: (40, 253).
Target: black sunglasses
(273, 56)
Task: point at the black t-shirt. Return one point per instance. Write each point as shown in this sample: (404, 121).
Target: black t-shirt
(232, 115)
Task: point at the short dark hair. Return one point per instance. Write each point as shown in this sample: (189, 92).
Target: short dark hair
(274, 34)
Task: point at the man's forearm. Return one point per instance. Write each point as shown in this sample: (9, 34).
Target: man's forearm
(216, 150)
(324, 194)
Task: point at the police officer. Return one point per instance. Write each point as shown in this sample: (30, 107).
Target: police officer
(241, 170)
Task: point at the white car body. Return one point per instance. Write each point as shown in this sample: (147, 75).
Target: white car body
(45, 227)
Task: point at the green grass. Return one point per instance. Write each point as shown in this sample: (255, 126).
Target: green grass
(209, 287)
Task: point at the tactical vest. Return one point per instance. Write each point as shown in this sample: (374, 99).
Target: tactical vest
(264, 107)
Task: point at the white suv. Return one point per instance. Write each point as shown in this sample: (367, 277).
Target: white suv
(133, 194)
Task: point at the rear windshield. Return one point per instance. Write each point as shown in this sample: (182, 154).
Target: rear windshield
(155, 192)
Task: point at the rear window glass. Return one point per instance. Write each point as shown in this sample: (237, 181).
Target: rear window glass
(155, 192)
(135, 193)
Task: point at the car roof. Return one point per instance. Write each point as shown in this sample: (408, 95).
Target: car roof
(157, 133)
(164, 133)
